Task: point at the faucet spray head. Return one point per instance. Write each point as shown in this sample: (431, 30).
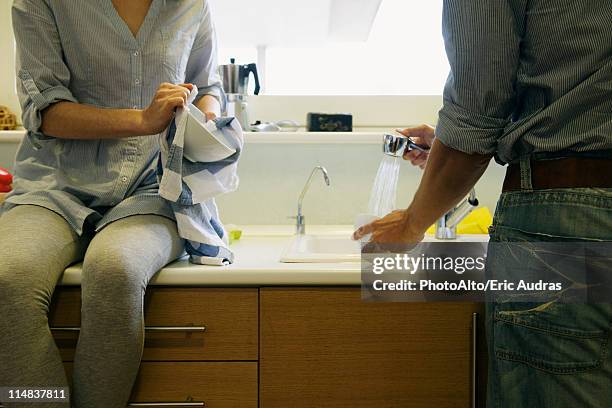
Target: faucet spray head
(397, 145)
(394, 145)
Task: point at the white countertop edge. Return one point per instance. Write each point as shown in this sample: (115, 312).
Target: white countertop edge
(202, 276)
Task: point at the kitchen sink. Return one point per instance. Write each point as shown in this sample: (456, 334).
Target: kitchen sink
(340, 248)
(321, 249)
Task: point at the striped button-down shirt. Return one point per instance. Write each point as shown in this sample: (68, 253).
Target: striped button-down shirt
(82, 51)
(527, 77)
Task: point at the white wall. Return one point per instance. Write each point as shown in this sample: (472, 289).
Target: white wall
(7, 67)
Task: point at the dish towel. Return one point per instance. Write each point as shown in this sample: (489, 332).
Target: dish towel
(191, 187)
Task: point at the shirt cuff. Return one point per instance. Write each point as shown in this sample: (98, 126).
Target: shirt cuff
(38, 101)
(467, 131)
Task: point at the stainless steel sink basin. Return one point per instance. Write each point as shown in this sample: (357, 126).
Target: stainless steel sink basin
(339, 248)
(321, 249)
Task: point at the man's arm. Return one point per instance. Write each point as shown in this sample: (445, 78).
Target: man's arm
(482, 40)
(449, 176)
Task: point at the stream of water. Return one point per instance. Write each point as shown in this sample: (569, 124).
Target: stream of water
(384, 190)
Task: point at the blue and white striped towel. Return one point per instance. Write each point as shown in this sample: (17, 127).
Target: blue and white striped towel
(191, 187)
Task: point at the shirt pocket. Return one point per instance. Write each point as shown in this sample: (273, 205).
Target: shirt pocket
(547, 338)
(177, 46)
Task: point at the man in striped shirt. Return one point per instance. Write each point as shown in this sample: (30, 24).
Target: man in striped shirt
(531, 85)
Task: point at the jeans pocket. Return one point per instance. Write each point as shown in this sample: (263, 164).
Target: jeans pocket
(552, 337)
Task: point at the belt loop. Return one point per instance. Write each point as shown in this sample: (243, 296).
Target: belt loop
(526, 175)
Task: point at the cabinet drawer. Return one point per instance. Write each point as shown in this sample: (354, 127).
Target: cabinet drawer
(217, 385)
(229, 316)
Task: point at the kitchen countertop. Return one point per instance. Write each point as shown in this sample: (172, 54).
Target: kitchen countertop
(257, 264)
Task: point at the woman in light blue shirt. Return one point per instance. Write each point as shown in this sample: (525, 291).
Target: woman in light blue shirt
(97, 79)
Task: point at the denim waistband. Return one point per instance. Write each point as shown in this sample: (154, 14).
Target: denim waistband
(589, 197)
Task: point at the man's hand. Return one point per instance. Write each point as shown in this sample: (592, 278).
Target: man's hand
(395, 228)
(421, 135)
(160, 112)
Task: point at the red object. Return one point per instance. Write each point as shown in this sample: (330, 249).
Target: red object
(6, 179)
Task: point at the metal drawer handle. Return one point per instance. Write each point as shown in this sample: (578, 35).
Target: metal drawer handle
(188, 329)
(166, 404)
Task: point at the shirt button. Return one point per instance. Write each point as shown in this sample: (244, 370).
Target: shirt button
(136, 53)
(137, 81)
(124, 179)
(135, 107)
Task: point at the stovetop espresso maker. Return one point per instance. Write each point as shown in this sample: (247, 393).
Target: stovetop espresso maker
(236, 78)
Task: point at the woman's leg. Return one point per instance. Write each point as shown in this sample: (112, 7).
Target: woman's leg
(118, 265)
(37, 245)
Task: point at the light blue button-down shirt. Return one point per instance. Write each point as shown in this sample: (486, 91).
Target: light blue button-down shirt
(82, 51)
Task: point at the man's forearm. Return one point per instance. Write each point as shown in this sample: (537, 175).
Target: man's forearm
(448, 178)
(68, 120)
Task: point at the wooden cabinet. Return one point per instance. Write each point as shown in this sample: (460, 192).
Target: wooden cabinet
(326, 348)
(213, 384)
(296, 347)
(230, 318)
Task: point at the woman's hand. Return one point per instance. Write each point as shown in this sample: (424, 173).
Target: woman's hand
(422, 135)
(160, 112)
(395, 229)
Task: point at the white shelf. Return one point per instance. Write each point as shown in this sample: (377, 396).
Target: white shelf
(11, 136)
(269, 137)
(313, 137)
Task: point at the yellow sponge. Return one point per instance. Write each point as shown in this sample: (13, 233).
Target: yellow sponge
(477, 222)
(234, 233)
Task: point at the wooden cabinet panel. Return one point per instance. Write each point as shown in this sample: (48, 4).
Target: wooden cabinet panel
(218, 385)
(326, 348)
(229, 315)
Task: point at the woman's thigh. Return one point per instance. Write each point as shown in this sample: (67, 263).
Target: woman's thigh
(37, 246)
(128, 252)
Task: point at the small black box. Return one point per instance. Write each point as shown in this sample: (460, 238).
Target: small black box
(323, 122)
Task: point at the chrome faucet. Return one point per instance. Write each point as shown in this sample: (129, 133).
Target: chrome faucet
(300, 220)
(446, 227)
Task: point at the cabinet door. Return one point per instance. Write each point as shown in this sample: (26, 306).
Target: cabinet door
(326, 348)
(228, 319)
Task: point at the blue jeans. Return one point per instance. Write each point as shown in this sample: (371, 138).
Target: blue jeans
(553, 355)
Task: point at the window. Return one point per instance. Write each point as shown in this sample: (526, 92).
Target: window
(404, 55)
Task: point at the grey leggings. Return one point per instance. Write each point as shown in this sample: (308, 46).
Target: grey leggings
(36, 246)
